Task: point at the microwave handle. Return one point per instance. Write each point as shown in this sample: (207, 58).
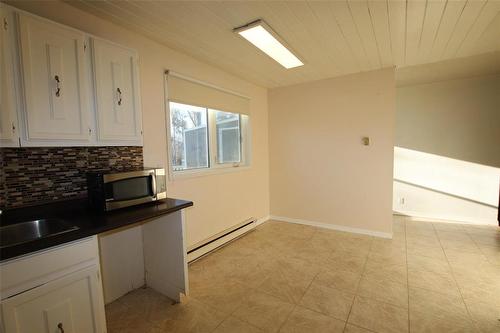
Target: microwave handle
(153, 182)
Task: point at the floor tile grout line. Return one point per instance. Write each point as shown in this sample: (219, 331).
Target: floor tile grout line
(480, 249)
(357, 286)
(249, 323)
(223, 320)
(364, 328)
(456, 283)
(287, 317)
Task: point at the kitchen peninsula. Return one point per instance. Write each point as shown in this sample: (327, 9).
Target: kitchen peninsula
(37, 275)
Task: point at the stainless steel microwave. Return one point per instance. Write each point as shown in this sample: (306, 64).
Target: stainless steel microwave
(113, 190)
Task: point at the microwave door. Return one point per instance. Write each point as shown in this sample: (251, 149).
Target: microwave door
(130, 191)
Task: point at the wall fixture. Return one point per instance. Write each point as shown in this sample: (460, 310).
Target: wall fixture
(263, 37)
(366, 141)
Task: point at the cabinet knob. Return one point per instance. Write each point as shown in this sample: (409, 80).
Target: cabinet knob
(119, 96)
(58, 85)
(60, 327)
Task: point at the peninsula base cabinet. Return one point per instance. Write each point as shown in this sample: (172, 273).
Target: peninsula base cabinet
(60, 289)
(66, 305)
(57, 290)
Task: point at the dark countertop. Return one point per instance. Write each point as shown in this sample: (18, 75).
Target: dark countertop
(77, 212)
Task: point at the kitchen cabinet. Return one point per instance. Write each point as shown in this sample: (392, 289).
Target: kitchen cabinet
(65, 87)
(56, 110)
(68, 304)
(61, 284)
(117, 93)
(9, 136)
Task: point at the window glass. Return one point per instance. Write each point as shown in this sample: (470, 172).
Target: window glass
(188, 137)
(228, 137)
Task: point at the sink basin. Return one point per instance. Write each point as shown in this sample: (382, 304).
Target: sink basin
(27, 231)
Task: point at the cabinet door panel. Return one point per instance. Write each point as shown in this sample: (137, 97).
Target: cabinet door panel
(8, 116)
(118, 111)
(52, 63)
(70, 302)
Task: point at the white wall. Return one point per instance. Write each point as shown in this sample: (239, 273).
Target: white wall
(319, 169)
(437, 187)
(447, 154)
(220, 201)
(456, 118)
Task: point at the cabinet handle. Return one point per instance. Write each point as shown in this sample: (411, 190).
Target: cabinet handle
(58, 86)
(60, 327)
(119, 96)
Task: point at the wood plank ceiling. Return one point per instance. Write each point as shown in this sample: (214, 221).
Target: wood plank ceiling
(332, 37)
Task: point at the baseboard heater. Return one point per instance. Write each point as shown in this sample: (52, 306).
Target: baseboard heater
(200, 249)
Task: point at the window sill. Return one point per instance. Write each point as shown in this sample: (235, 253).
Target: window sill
(187, 174)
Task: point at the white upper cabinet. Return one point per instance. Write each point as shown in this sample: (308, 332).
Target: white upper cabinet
(8, 114)
(117, 94)
(56, 91)
(56, 104)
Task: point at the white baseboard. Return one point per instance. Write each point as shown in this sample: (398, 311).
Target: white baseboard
(262, 220)
(416, 216)
(333, 226)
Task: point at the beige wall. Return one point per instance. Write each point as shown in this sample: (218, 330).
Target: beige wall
(319, 169)
(447, 159)
(456, 118)
(221, 200)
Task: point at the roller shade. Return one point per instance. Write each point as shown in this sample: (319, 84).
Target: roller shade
(190, 91)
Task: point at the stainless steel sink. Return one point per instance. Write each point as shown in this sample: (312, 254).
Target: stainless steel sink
(27, 231)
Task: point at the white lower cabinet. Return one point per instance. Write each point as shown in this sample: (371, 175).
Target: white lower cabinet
(69, 304)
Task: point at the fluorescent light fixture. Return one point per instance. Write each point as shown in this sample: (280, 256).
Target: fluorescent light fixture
(263, 37)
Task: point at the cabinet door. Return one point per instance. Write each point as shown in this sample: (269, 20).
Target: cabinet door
(69, 304)
(117, 94)
(54, 86)
(8, 116)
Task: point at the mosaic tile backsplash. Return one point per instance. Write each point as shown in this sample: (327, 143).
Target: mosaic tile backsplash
(36, 175)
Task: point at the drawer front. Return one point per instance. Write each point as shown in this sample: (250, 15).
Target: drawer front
(23, 273)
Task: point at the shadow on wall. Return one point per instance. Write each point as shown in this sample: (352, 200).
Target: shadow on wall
(438, 187)
(454, 118)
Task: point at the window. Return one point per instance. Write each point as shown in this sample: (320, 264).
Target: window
(228, 137)
(188, 137)
(209, 126)
(203, 138)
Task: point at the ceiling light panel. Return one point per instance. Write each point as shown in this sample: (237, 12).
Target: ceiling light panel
(264, 38)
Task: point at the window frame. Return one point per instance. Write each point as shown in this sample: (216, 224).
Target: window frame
(213, 166)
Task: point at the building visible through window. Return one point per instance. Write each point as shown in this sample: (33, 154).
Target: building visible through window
(205, 138)
(189, 137)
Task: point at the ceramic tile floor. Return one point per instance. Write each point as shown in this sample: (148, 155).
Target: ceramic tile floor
(431, 277)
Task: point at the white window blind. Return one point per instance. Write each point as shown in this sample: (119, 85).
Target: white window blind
(190, 91)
